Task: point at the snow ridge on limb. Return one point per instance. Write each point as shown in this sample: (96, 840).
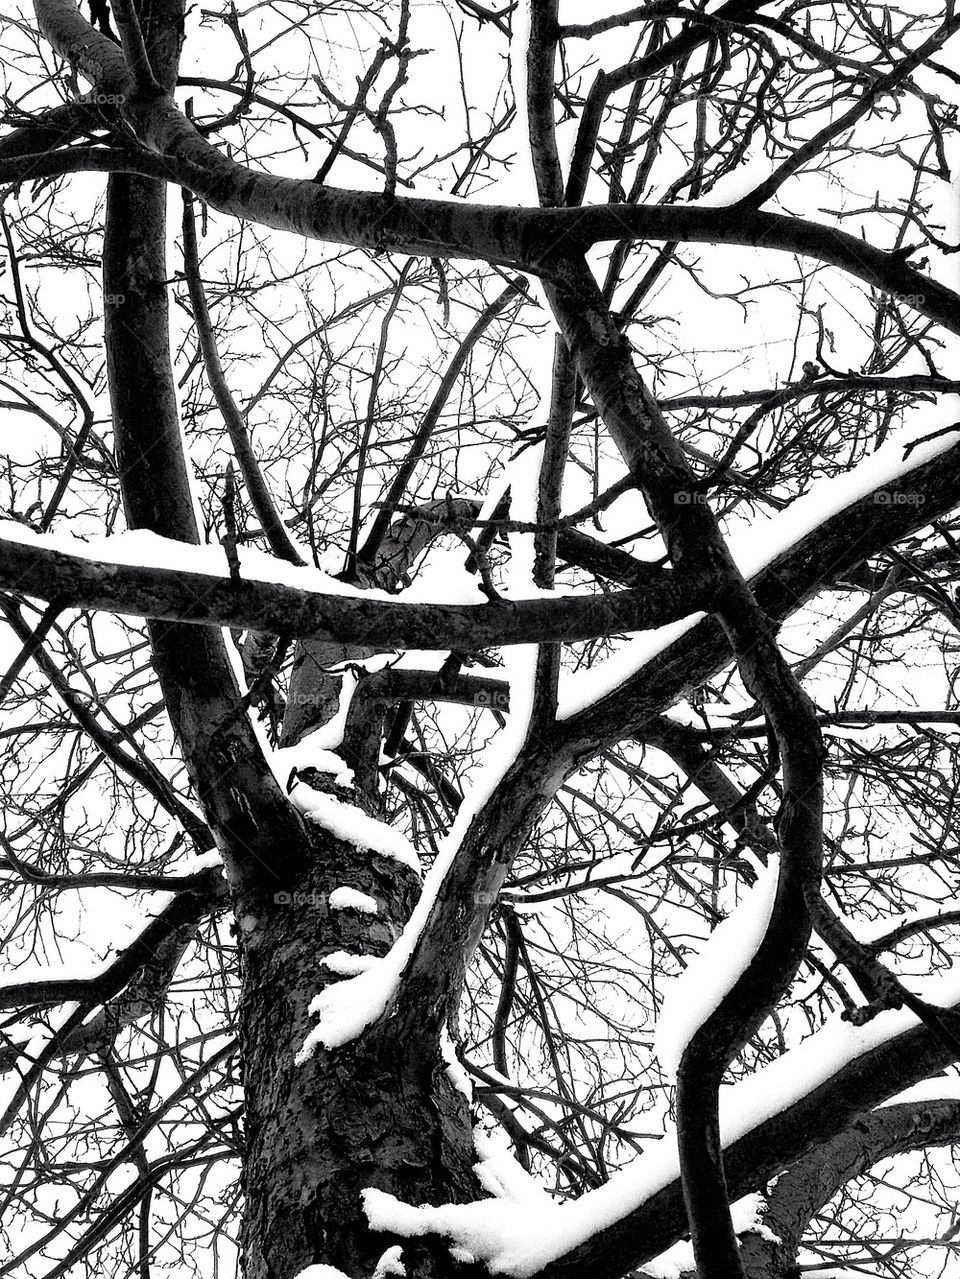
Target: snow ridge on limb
(512, 790)
(770, 539)
(346, 1008)
(350, 823)
(697, 548)
(714, 970)
(766, 1121)
(40, 566)
(642, 685)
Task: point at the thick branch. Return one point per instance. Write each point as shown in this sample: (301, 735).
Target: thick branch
(519, 238)
(526, 239)
(252, 820)
(812, 1181)
(789, 1134)
(175, 595)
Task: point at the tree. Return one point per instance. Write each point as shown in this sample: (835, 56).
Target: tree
(561, 506)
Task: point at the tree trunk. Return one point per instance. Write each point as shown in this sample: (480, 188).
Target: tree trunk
(374, 1112)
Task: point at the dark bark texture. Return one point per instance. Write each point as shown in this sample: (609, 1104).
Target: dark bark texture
(379, 1111)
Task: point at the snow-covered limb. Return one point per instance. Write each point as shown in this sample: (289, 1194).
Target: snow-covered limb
(456, 897)
(711, 974)
(344, 964)
(163, 583)
(514, 1238)
(346, 1008)
(755, 546)
(352, 824)
(644, 689)
(299, 602)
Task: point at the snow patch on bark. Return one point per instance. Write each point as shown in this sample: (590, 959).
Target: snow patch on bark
(748, 1216)
(346, 1008)
(391, 1263)
(455, 1069)
(345, 964)
(350, 899)
(321, 1272)
(354, 826)
(309, 752)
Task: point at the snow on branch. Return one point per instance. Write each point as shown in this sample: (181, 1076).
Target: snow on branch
(714, 971)
(767, 538)
(147, 576)
(519, 1239)
(346, 1008)
(354, 826)
(350, 899)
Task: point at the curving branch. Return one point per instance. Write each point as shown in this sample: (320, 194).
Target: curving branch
(533, 240)
(255, 826)
(521, 239)
(803, 1189)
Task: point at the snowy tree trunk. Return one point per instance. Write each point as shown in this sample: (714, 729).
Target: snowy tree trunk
(378, 1111)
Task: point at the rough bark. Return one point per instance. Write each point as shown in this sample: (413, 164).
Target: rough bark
(379, 1111)
(804, 1188)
